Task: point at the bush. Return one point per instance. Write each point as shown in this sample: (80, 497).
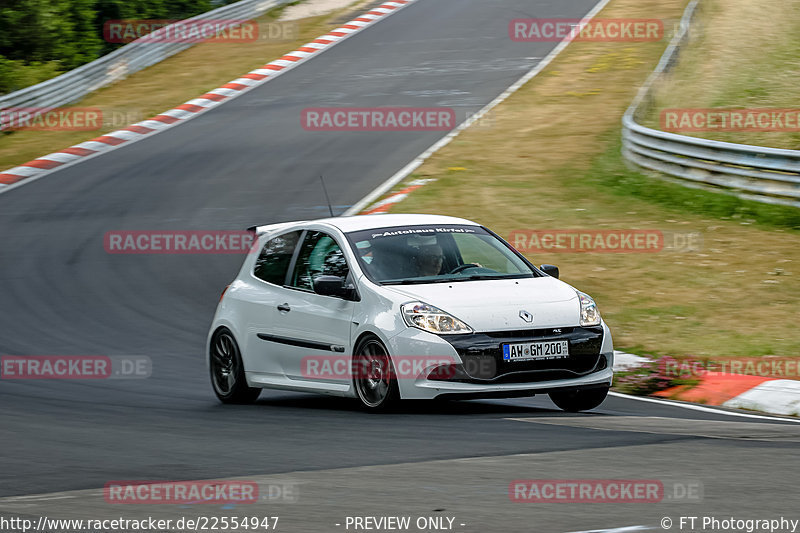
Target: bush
(40, 39)
(654, 376)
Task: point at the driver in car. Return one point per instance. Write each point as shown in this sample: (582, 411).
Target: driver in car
(429, 260)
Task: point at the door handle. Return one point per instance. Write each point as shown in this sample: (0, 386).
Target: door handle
(284, 308)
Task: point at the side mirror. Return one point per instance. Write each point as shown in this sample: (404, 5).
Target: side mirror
(550, 270)
(333, 286)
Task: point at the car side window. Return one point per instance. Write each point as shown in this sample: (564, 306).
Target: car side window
(274, 259)
(319, 256)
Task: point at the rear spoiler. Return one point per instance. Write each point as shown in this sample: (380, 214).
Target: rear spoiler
(270, 228)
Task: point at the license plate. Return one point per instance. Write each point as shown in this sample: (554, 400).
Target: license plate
(534, 351)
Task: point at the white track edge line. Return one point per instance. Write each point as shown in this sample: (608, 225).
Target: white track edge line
(701, 408)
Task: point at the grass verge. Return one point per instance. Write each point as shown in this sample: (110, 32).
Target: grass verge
(550, 160)
(721, 67)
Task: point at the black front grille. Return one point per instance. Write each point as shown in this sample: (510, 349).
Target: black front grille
(529, 333)
(482, 354)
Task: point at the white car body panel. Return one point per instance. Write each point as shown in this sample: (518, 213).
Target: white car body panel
(469, 301)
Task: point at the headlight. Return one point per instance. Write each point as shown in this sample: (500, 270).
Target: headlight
(590, 316)
(432, 319)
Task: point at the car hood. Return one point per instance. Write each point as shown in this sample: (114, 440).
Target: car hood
(496, 305)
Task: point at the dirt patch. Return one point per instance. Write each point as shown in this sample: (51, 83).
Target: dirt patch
(313, 8)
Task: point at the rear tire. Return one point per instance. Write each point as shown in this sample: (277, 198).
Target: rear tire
(374, 376)
(227, 370)
(577, 400)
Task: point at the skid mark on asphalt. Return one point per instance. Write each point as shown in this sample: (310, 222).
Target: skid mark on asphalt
(714, 429)
(450, 67)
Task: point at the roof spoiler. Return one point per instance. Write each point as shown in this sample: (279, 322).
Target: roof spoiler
(267, 228)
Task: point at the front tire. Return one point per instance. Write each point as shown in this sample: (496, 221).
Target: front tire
(374, 376)
(227, 370)
(577, 400)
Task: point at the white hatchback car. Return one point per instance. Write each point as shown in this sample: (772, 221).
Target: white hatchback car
(383, 307)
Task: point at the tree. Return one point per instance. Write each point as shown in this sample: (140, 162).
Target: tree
(41, 37)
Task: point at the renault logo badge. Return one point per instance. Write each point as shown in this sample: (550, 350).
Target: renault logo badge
(526, 316)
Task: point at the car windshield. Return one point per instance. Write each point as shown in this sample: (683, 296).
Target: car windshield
(435, 254)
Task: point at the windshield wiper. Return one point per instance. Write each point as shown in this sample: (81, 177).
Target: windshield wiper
(408, 281)
(473, 277)
(482, 277)
(418, 281)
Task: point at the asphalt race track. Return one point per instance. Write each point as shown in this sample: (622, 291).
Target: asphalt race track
(444, 459)
(250, 162)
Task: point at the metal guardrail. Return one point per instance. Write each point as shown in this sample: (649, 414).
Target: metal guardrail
(768, 175)
(140, 54)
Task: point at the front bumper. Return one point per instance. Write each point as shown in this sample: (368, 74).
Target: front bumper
(479, 369)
